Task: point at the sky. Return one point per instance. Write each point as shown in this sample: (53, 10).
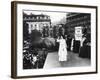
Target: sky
(54, 16)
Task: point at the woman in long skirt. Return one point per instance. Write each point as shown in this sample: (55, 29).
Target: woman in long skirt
(62, 52)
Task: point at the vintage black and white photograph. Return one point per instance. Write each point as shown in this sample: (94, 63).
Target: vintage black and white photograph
(53, 39)
(56, 39)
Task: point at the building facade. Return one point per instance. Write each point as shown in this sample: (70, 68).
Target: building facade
(78, 19)
(38, 22)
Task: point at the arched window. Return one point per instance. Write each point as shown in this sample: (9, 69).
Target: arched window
(40, 17)
(37, 17)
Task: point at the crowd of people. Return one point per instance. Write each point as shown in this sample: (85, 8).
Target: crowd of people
(33, 59)
(81, 47)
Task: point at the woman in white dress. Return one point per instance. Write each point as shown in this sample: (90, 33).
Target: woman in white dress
(62, 52)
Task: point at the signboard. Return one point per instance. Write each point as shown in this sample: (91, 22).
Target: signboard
(78, 33)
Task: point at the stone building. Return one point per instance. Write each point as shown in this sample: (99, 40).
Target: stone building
(38, 22)
(78, 19)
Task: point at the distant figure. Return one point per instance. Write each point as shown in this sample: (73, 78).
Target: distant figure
(75, 45)
(68, 41)
(62, 52)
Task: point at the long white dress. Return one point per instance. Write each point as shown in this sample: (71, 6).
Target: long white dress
(62, 52)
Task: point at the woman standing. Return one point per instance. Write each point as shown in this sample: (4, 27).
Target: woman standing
(62, 52)
(85, 50)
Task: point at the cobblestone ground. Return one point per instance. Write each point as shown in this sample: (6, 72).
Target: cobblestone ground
(73, 61)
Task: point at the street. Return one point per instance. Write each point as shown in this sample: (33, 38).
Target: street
(73, 61)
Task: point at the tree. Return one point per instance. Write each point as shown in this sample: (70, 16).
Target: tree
(35, 39)
(55, 32)
(61, 31)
